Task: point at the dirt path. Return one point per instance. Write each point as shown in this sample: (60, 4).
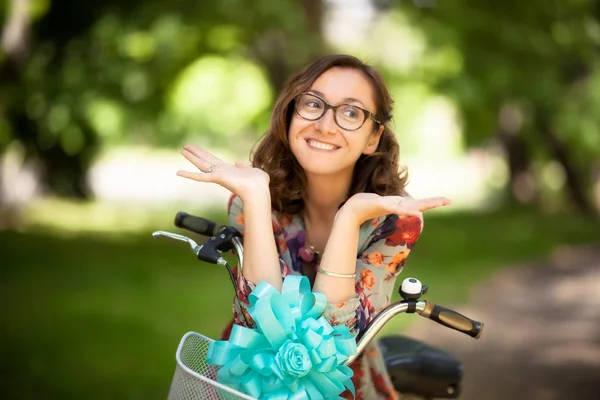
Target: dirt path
(542, 332)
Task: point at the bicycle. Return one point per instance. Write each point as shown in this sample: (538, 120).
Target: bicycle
(414, 367)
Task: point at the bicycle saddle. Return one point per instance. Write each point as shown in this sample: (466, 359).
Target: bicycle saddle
(419, 369)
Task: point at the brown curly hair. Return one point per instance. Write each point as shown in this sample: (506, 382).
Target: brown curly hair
(378, 172)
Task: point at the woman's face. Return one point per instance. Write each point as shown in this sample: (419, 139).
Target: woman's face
(321, 146)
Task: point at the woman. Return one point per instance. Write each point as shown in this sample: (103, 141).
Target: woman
(324, 198)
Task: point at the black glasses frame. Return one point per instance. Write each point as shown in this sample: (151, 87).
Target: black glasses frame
(368, 114)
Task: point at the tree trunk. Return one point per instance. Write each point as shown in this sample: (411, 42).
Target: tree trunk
(61, 173)
(279, 57)
(522, 185)
(557, 149)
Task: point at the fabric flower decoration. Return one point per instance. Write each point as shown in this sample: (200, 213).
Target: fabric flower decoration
(294, 353)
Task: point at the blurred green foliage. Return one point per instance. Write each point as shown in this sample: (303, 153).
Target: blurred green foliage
(84, 76)
(102, 73)
(523, 74)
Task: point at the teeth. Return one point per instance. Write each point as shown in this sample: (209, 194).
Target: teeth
(322, 146)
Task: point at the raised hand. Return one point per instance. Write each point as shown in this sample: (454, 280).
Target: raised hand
(239, 178)
(366, 206)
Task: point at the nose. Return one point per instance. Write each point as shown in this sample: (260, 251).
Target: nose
(326, 124)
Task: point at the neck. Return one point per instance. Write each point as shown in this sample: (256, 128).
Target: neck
(323, 198)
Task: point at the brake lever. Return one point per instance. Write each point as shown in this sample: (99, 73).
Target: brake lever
(207, 252)
(177, 237)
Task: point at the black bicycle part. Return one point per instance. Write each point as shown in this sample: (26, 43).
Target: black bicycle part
(453, 320)
(199, 225)
(222, 242)
(221, 239)
(422, 370)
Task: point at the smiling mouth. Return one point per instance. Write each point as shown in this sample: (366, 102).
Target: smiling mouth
(321, 146)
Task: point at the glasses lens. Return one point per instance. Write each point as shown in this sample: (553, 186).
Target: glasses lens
(350, 117)
(310, 107)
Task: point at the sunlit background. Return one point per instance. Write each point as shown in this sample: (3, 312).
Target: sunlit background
(497, 106)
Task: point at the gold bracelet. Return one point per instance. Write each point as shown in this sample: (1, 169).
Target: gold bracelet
(350, 276)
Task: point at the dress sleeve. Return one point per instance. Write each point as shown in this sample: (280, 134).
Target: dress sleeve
(386, 245)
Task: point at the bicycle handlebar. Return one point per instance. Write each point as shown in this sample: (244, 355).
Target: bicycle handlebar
(224, 238)
(444, 316)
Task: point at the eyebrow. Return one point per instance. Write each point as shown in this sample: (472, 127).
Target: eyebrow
(344, 100)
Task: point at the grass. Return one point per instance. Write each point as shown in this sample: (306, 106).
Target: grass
(95, 316)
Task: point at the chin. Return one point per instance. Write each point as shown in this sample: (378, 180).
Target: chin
(312, 166)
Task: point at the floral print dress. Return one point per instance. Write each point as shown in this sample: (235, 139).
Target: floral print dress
(384, 244)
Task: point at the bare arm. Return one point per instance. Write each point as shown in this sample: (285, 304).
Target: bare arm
(261, 260)
(339, 257)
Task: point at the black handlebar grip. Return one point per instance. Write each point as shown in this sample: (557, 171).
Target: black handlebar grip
(199, 225)
(453, 319)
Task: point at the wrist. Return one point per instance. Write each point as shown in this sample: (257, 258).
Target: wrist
(347, 218)
(256, 195)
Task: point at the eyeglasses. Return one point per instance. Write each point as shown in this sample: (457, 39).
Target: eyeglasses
(347, 116)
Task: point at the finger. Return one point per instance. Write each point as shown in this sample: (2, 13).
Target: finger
(410, 212)
(431, 203)
(401, 207)
(196, 176)
(202, 154)
(199, 162)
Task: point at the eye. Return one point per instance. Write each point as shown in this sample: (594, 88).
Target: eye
(311, 103)
(351, 113)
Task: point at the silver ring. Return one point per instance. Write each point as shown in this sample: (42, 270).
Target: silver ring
(210, 169)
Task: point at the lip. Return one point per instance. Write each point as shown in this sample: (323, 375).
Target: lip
(321, 141)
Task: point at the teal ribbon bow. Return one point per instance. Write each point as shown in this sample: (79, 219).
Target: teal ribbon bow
(294, 353)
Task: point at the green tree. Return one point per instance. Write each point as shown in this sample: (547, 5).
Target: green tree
(528, 80)
(84, 74)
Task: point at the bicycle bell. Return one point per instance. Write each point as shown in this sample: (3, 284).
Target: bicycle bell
(411, 289)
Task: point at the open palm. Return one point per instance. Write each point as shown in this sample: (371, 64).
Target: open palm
(366, 206)
(239, 178)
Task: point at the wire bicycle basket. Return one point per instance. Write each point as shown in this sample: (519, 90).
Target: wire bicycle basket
(196, 379)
